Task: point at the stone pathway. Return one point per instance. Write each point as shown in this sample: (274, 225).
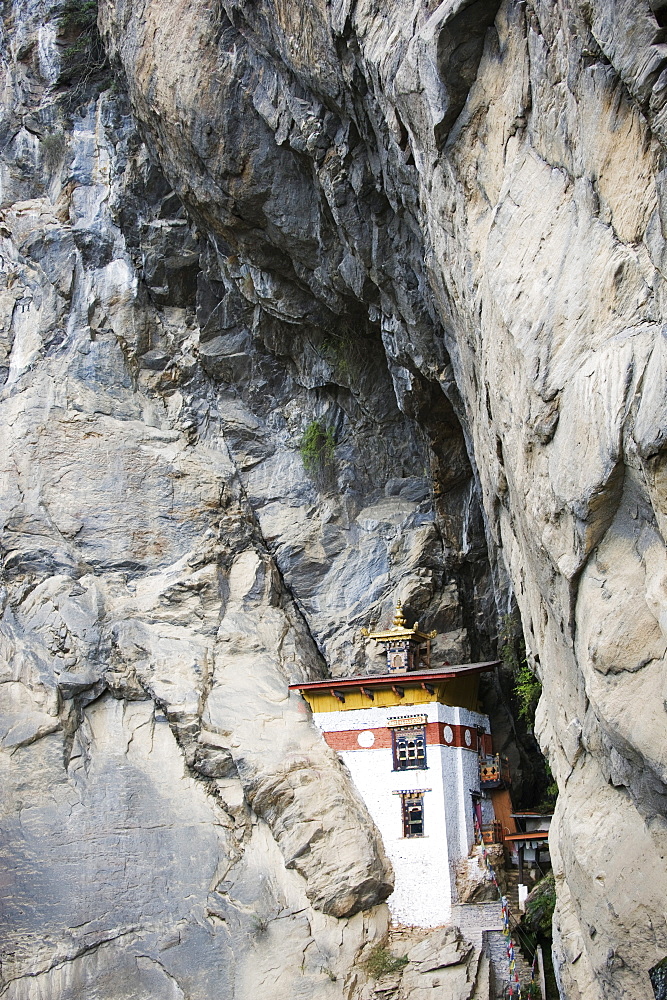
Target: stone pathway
(482, 923)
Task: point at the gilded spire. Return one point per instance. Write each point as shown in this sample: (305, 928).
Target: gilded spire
(399, 629)
(399, 618)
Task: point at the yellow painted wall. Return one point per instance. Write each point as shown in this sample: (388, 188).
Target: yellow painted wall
(461, 691)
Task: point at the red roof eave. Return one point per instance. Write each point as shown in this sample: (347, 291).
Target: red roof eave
(397, 679)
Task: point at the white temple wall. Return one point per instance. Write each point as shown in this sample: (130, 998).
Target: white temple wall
(423, 891)
(469, 770)
(376, 718)
(423, 866)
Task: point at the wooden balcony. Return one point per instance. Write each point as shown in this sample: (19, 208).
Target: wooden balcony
(494, 772)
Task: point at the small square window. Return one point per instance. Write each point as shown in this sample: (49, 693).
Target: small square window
(409, 745)
(413, 815)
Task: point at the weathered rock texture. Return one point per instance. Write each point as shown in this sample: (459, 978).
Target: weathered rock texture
(438, 231)
(441, 966)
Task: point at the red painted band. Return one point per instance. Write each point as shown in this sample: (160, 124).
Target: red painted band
(437, 734)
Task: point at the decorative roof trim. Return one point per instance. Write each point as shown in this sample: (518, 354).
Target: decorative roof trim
(410, 679)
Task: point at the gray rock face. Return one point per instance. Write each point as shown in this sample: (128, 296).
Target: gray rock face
(503, 170)
(153, 766)
(443, 966)
(436, 232)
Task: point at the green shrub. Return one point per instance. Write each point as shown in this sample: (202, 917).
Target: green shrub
(512, 650)
(528, 689)
(317, 448)
(540, 905)
(531, 991)
(381, 962)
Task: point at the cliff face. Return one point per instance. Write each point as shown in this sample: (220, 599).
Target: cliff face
(437, 233)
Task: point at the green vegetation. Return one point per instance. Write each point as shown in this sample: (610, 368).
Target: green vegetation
(84, 60)
(78, 15)
(540, 907)
(317, 448)
(527, 688)
(531, 991)
(526, 691)
(535, 929)
(381, 962)
(343, 350)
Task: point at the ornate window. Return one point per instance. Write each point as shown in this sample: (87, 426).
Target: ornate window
(413, 814)
(409, 746)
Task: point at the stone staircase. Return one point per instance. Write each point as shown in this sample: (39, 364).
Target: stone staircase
(482, 924)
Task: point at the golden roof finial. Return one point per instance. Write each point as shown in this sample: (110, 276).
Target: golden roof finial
(398, 630)
(399, 617)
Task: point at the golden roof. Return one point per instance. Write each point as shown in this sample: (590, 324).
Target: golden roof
(399, 630)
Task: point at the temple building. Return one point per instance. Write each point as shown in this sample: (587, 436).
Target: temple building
(420, 752)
